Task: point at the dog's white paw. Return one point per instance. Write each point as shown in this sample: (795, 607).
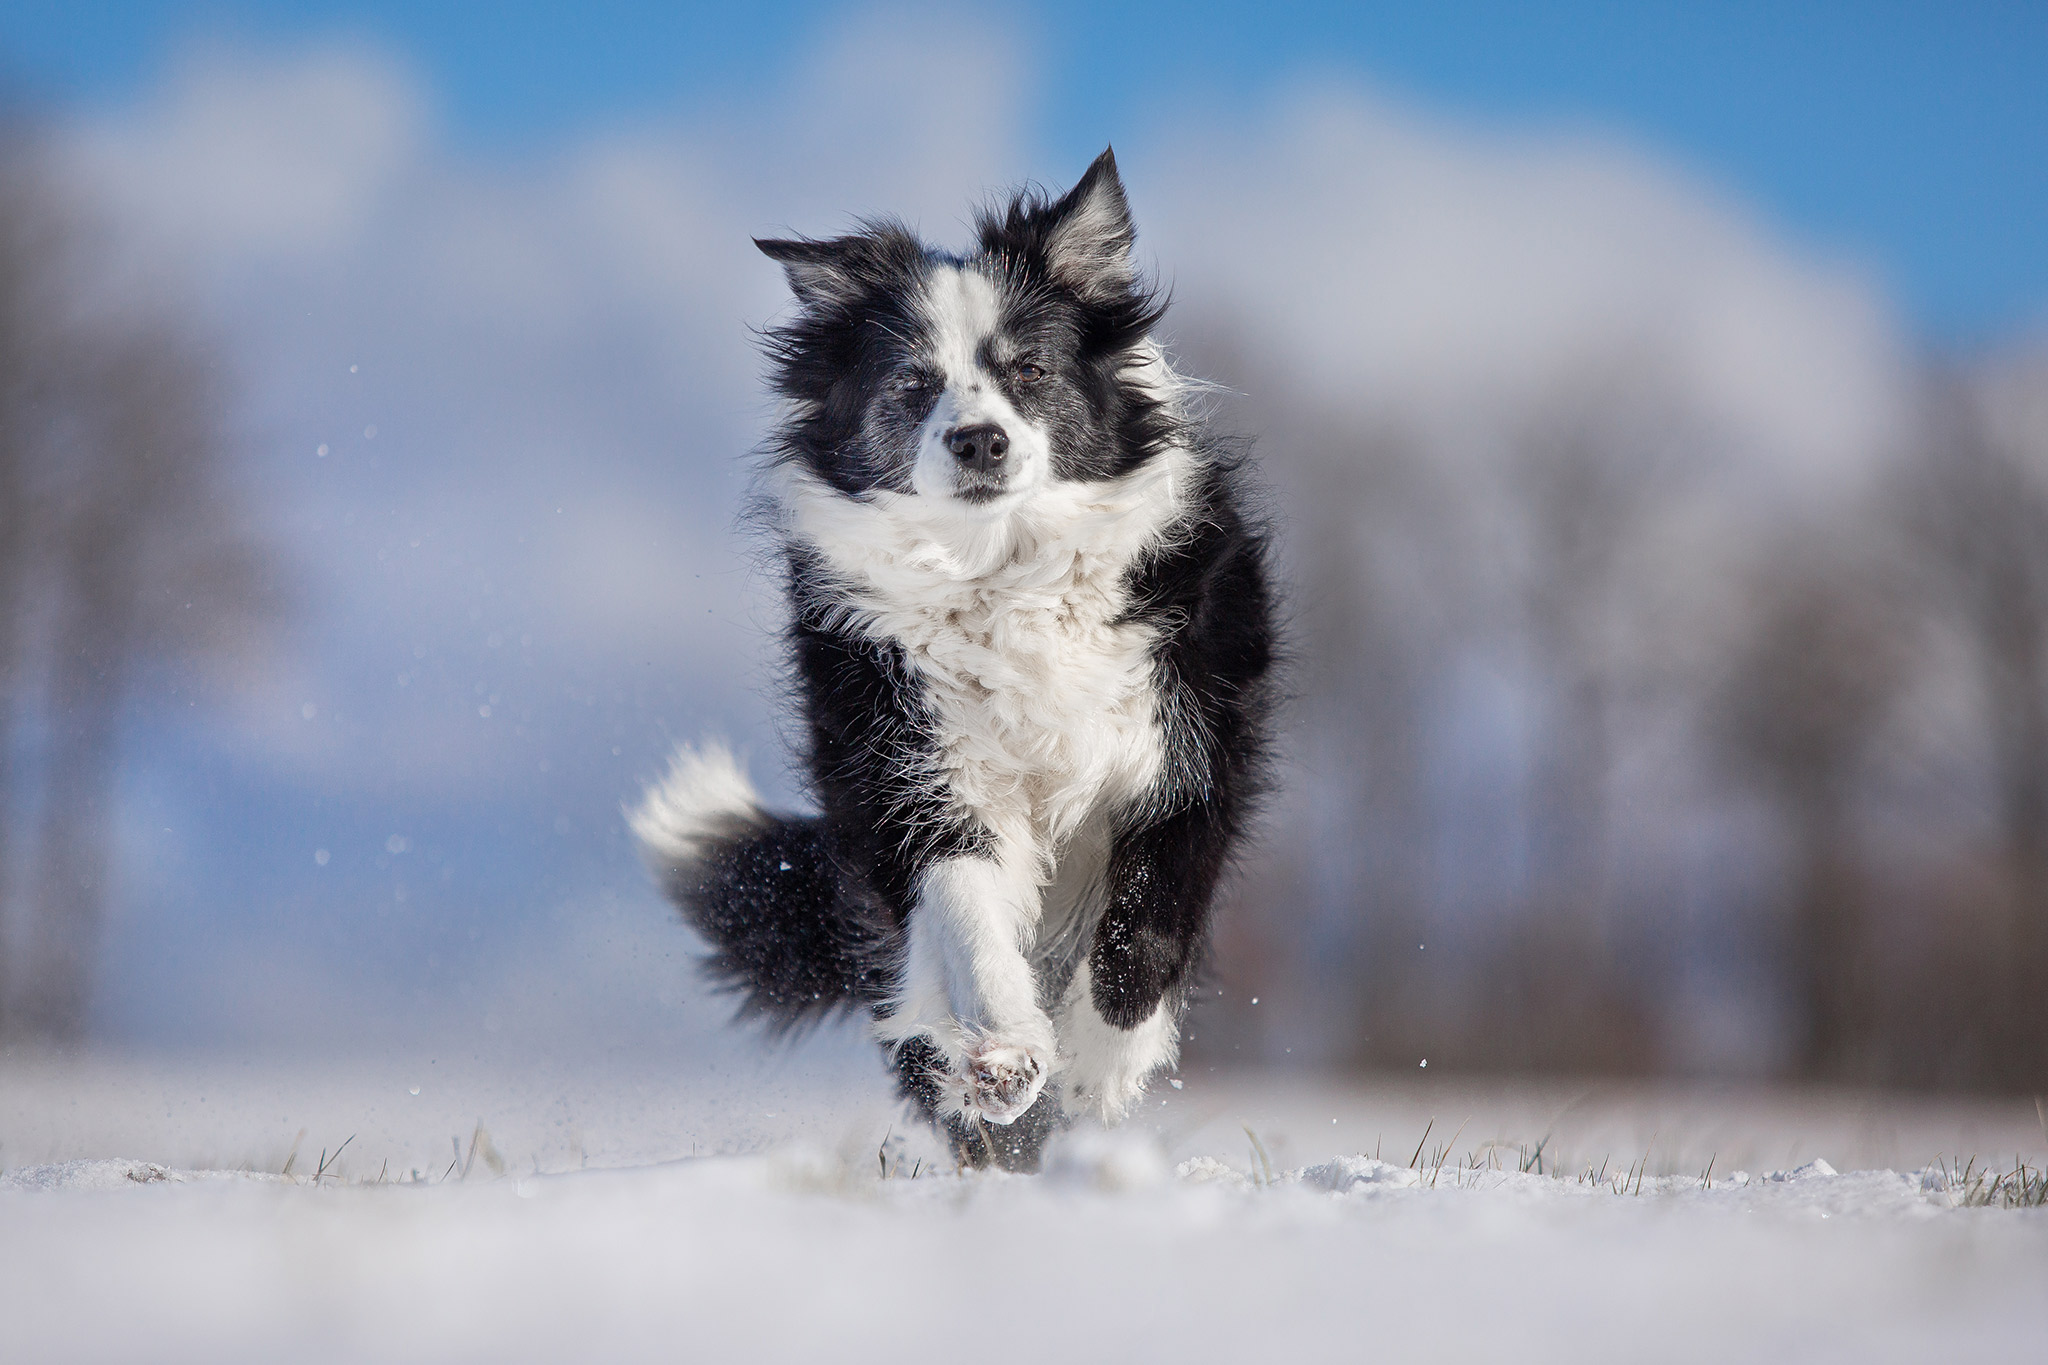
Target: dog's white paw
(1002, 1080)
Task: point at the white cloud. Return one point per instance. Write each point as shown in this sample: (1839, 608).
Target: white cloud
(1452, 275)
(242, 153)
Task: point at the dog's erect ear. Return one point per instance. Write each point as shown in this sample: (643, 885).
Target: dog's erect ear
(817, 271)
(1088, 233)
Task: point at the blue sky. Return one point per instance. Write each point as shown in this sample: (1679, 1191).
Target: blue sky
(483, 287)
(1910, 138)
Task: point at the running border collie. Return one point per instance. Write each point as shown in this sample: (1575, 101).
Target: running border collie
(1032, 634)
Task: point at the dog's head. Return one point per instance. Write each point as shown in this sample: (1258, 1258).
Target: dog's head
(979, 378)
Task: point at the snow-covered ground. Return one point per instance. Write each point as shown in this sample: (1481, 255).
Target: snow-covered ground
(737, 1209)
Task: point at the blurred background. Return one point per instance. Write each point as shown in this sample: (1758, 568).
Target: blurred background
(1654, 402)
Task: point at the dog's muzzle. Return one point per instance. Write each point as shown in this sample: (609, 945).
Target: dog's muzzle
(979, 453)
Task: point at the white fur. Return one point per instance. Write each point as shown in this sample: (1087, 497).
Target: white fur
(1049, 720)
(1045, 700)
(1049, 717)
(695, 805)
(962, 311)
(967, 983)
(1103, 1067)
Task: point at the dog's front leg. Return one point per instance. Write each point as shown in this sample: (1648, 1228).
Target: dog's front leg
(967, 984)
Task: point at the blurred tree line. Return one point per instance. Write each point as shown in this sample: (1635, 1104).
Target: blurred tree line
(1597, 730)
(121, 552)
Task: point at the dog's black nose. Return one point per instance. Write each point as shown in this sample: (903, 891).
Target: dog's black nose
(980, 447)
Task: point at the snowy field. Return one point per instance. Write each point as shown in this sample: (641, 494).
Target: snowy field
(760, 1207)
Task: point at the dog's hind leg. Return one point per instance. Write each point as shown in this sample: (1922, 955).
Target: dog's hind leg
(1103, 1068)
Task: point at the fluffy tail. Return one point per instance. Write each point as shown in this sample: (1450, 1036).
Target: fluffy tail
(791, 932)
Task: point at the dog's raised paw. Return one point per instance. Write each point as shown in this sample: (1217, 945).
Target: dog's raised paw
(1003, 1080)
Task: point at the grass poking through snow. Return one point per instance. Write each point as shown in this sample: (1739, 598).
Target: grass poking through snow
(1972, 1187)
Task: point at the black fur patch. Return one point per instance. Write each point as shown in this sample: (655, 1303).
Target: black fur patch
(869, 745)
(1209, 595)
(791, 934)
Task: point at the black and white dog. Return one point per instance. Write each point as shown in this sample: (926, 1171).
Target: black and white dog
(1033, 637)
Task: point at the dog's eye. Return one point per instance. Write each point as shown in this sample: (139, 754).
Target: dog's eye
(1028, 373)
(912, 382)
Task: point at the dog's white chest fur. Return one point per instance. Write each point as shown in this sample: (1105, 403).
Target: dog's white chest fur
(1044, 699)
(1043, 702)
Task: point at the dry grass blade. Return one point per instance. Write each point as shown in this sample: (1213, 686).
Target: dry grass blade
(1444, 1152)
(1414, 1162)
(1263, 1163)
(327, 1161)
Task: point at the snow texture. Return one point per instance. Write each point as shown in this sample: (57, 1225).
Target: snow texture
(1157, 1240)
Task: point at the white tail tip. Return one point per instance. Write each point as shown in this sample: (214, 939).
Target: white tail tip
(704, 794)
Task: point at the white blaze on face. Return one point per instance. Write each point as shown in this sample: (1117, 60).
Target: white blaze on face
(962, 310)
